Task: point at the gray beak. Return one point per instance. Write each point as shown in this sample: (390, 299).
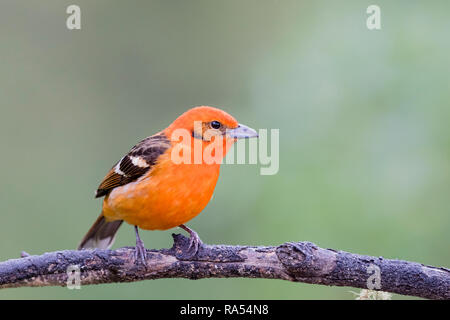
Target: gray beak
(242, 132)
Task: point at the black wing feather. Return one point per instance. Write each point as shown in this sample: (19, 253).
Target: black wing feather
(125, 171)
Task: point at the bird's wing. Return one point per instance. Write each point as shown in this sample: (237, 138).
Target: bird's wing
(136, 163)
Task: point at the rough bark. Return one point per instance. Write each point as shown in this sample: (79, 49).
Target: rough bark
(299, 262)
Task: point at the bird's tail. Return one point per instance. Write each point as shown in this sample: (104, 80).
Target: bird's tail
(101, 235)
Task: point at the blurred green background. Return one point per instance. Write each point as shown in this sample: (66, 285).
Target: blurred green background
(363, 118)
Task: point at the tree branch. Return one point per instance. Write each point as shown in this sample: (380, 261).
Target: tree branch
(299, 262)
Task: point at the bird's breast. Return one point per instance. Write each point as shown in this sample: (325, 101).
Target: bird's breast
(167, 196)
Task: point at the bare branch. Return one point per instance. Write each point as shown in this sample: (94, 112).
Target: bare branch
(300, 262)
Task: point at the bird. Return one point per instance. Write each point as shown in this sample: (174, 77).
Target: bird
(166, 179)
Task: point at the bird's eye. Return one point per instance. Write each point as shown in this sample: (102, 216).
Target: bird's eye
(215, 124)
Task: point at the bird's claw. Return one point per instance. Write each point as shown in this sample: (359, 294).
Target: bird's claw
(194, 244)
(140, 253)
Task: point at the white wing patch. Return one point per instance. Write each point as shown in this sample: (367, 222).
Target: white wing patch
(117, 168)
(139, 162)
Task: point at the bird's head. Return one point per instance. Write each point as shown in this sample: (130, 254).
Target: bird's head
(205, 124)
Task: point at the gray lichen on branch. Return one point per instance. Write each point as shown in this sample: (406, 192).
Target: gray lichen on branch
(298, 262)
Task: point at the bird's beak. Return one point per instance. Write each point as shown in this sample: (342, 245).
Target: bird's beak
(241, 132)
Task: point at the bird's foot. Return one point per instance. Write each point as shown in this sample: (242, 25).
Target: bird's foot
(194, 244)
(140, 253)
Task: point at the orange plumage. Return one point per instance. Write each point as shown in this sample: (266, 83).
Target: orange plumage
(149, 189)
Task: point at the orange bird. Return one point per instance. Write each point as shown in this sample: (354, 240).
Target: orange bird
(166, 179)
